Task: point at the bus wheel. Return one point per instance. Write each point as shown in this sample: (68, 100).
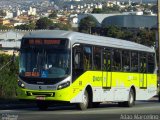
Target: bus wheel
(85, 101)
(42, 105)
(131, 100)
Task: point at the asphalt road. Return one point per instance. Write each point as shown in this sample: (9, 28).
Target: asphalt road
(143, 110)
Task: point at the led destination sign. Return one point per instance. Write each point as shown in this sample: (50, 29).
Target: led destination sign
(39, 42)
(44, 42)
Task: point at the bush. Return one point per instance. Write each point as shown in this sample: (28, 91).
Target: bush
(8, 76)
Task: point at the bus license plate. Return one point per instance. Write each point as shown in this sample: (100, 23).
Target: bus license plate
(40, 98)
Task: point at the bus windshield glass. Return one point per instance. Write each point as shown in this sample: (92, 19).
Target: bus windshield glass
(44, 62)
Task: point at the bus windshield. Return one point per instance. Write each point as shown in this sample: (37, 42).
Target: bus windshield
(44, 63)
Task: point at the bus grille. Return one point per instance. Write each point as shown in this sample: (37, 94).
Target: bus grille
(48, 94)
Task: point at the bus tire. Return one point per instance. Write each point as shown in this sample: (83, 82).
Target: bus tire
(85, 101)
(42, 105)
(131, 99)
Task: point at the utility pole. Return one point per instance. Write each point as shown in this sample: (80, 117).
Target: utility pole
(158, 21)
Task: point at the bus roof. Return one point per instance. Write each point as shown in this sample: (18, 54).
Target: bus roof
(76, 37)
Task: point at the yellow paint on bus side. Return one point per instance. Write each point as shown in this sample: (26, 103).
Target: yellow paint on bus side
(95, 79)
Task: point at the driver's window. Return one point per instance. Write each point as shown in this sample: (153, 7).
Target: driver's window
(77, 57)
(77, 60)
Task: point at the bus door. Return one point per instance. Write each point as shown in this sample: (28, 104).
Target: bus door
(106, 67)
(143, 70)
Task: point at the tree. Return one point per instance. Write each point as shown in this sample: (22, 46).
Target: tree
(142, 36)
(113, 9)
(43, 23)
(53, 15)
(146, 37)
(86, 24)
(113, 31)
(97, 10)
(3, 27)
(30, 26)
(8, 77)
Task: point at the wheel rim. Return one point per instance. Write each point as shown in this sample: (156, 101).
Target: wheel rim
(131, 99)
(85, 99)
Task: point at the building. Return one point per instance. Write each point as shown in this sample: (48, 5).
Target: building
(10, 39)
(122, 20)
(32, 11)
(131, 21)
(99, 17)
(4, 21)
(18, 13)
(8, 15)
(100, 6)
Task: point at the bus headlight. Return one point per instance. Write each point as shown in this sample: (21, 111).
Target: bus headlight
(20, 84)
(63, 85)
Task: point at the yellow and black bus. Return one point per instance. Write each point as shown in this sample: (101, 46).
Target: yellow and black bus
(65, 66)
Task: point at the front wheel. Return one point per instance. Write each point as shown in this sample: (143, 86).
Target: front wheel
(85, 101)
(131, 100)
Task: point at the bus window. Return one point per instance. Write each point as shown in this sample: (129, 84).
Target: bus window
(106, 60)
(97, 58)
(143, 63)
(77, 59)
(87, 57)
(134, 61)
(126, 61)
(151, 63)
(116, 57)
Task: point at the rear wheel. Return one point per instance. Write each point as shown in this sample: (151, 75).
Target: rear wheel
(131, 100)
(85, 101)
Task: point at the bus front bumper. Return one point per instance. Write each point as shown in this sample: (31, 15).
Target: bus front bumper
(58, 95)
